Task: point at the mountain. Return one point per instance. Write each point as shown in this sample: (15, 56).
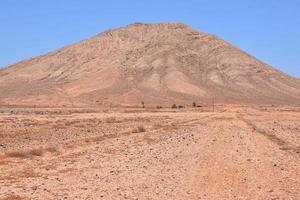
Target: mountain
(159, 64)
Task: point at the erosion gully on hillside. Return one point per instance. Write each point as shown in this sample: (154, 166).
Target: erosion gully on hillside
(159, 63)
(237, 153)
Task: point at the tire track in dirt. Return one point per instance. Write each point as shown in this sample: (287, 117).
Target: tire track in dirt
(235, 163)
(284, 145)
(80, 144)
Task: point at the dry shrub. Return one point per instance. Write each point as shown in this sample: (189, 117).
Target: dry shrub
(36, 152)
(220, 118)
(149, 140)
(26, 154)
(18, 154)
(32, 152)
(69, 123)
(111, 120)
(13, 197)
(52, 149)
(59, 126)
(139, 129)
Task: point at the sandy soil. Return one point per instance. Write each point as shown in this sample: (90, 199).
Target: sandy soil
(238, 153)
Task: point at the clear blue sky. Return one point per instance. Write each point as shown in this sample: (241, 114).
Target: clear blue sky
(267, 29)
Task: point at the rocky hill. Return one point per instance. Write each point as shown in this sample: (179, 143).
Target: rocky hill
(159, 64)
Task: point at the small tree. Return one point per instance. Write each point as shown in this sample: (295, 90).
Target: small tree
(174, 106)
(143, 104)
(194, 104)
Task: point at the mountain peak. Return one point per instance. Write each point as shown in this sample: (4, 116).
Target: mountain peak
(140, 28)
(166, 24)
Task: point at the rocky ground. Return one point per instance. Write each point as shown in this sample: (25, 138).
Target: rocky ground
(236, 153)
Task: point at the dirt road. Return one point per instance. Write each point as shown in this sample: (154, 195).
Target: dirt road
(236, 154)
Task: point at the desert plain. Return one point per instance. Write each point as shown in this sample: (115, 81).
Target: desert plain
(73, 126)
(233, 152)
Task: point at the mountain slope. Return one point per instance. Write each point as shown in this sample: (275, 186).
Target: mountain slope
(156, 63)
